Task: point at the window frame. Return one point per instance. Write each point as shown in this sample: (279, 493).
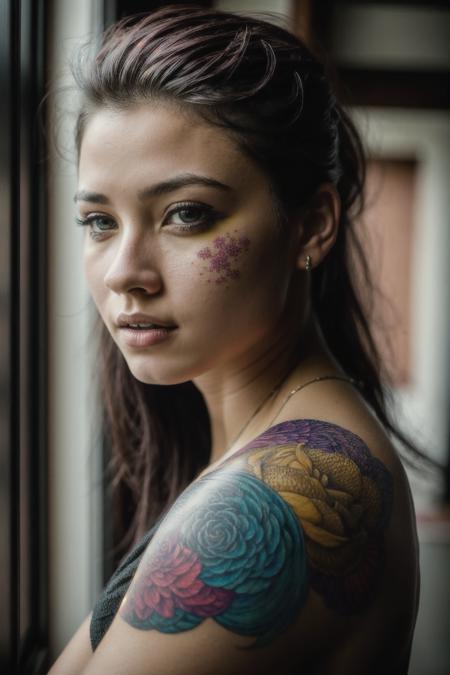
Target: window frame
(23, 357)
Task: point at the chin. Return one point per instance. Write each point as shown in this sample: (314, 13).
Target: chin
(162, 379)
(156, 374)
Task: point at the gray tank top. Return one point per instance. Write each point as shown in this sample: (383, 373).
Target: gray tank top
(110, 598)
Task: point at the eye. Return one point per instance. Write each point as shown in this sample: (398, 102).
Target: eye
(97, 222)
(191, 216)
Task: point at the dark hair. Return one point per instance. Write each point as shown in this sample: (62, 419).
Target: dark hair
(264, 86)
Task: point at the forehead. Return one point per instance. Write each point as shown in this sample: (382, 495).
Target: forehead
(158, 140)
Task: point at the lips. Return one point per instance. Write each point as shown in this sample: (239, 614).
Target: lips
(146, 337)
(127, 320)
(140, 330)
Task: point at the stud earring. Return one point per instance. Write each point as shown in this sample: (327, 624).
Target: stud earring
(308, 265)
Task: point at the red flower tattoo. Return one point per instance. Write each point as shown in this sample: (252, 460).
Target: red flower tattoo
(171, 581)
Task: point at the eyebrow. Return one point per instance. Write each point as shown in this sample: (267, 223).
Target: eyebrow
(158, 189)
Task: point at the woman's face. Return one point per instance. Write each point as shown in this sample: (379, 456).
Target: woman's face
(181, 228)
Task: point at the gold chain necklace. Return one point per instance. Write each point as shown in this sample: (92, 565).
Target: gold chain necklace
(288, 397)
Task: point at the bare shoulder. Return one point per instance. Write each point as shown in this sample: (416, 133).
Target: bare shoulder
(351, 497)
(260, 559)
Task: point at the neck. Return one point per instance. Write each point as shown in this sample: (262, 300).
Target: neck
(233, 394)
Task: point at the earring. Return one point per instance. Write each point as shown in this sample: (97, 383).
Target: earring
(308, 265)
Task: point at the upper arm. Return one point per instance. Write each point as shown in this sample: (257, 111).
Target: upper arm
(76, 654)
(228, 573)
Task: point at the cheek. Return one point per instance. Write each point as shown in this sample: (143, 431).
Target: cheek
(222, 262)
(245, 275)
(94, 275)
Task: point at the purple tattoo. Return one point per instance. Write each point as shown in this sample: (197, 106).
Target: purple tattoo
(222, 257)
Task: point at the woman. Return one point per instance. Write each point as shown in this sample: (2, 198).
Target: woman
(218, 182)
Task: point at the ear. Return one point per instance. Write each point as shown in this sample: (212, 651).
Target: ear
(318, 226)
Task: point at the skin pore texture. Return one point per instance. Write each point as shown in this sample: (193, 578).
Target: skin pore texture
(287, 529)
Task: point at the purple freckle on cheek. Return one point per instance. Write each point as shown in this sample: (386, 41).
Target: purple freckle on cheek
(204, 253)
(223, 258)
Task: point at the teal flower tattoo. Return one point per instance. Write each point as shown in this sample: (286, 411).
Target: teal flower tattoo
(237, 556)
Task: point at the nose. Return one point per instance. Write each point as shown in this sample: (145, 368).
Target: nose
(134, 269)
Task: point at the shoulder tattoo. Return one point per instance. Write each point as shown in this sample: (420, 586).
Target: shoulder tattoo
(304, 508)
